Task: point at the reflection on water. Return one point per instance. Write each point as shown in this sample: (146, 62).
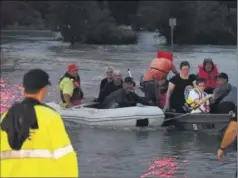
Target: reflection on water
(9, 94)
(122, 153)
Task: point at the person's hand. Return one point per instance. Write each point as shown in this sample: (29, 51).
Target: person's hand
(220, 154)
(69, 105)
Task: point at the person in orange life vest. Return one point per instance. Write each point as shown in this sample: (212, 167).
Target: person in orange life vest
(70, 89)
(159, 69)
(162, 89)
(160, 66)
(208, 70)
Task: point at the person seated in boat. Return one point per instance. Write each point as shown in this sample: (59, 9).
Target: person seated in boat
(109, 77)
(208, 70)
(175, 95)
(111, 86)
(70, 89)
(124, 97)
(224, 92)
(158, 70)
(162, 89)
(198, 99)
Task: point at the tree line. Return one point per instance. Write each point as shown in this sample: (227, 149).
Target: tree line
(99, 22)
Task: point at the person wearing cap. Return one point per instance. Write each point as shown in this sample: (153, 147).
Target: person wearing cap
(111, 86)
(124, 97)
(175, 99)
(158, 70)
(208, 70)
(34, 142)
(70, 88)
(229, 136)
(224, 92)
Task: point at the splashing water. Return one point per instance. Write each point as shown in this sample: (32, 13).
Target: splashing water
(9, 94)
(163, 168)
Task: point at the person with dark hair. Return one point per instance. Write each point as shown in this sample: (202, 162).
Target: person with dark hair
(175, 95)
(34, 142)
(208, 70)
(198, 99)
(224, 92)
(124, 97)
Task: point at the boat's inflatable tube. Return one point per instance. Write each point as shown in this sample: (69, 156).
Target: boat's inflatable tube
(118, 117)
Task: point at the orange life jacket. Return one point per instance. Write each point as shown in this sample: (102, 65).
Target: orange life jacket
(210, 77)
(159, 69)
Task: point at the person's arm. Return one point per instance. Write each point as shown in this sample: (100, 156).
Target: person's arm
(142, 100)
(102, 84)
(195, 98)
(67, 91)
(174, 70)
(230, 135)
(168, 94)
(64, 155)
(217, 93)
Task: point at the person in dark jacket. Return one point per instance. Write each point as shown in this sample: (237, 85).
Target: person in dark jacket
(108, 78)
(124, 97)
(111, 86)
(223, 93)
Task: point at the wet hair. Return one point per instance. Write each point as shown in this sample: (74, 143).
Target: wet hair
(184, 63)
(200, 80)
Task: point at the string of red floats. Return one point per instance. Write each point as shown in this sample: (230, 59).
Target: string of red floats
(9, 93)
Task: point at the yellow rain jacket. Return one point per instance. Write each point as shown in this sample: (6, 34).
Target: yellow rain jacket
(48, 153)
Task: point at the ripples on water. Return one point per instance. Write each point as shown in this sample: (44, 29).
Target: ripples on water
(122, 153)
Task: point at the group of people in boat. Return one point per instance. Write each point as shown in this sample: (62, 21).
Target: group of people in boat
(206, 91)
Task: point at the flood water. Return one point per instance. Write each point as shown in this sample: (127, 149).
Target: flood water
(117, 152)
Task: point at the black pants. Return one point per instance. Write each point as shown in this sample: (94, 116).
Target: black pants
(150, 91)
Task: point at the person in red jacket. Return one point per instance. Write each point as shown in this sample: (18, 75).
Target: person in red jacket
(208, 71)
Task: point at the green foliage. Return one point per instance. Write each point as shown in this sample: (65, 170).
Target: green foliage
(93, 24)
(198, 22)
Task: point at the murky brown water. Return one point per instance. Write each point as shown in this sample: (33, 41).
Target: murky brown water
(117, 153)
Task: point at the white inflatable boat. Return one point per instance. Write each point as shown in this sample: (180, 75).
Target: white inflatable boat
(117, 117)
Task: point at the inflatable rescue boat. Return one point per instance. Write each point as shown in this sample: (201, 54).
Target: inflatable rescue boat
(139, 116)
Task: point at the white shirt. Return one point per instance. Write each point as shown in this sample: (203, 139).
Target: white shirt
(205, 107)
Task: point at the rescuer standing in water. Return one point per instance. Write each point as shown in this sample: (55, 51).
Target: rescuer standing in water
(34, 142)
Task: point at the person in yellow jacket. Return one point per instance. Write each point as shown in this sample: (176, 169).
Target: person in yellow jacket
(34, 142)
